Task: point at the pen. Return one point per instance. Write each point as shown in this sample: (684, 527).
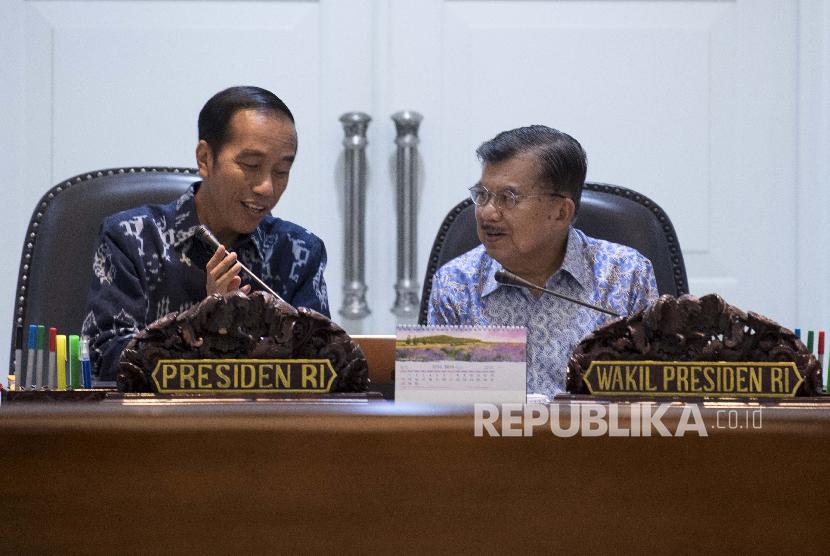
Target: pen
(28, 378)
(18, 357)
(51, 379)
(74, 363)
(60, 342)
(85, 365)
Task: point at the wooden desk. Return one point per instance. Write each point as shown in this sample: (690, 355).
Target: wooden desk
(266, 477)
(380, 358)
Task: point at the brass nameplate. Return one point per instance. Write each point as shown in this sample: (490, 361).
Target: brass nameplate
(235, 376)
(693, 378)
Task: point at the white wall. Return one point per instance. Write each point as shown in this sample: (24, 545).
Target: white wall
(716, 110)
(812, 228)
(20, 198)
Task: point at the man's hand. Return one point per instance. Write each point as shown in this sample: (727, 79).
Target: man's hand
(223, 273)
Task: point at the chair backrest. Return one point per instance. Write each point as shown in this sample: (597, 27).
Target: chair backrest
(56, 262)
(606, 212)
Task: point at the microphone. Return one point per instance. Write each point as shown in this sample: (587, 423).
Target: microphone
(203, 233)
(507, 278)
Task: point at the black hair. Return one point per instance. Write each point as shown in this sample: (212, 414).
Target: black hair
(562, 160)
(216, 114)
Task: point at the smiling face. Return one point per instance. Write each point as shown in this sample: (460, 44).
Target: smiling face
(529, 239)
(245, 179)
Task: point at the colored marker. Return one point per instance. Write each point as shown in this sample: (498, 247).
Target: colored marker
(797, 333)
(74, 362)
(51, 379)
(28, 378)
(86, 366)
(18, 356)
(60, 342)
(41, 354)
(821, 351)
(810, 334)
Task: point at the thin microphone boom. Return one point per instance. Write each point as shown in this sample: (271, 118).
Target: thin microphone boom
(509, 279)
(205, 235)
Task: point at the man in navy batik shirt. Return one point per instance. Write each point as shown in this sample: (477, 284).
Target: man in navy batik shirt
(149, 262)
(526, 200)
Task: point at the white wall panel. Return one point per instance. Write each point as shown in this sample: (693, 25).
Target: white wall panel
(16, 205)
(811, 230)
(630, 81)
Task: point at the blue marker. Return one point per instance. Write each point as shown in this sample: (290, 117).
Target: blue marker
(798, 333)
(86, 366)
(30, 359)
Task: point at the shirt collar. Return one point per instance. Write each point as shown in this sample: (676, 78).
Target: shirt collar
(491, 266)
(186, 221)
(575, 263)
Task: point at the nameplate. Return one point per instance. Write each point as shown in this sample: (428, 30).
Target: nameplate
(693, 378)
(234, 376)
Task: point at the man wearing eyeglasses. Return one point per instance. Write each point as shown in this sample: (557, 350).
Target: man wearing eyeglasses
(526, 200)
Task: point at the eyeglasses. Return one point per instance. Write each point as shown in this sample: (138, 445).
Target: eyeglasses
(507, 199)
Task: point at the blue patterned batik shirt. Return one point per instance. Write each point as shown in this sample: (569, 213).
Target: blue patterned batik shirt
(148, 263)
(465, 292)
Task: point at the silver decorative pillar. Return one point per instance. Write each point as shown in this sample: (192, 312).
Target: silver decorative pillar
(407, 303)
(354, 289)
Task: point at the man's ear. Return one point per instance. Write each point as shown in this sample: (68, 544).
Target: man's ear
(204, 158)
(567, 210)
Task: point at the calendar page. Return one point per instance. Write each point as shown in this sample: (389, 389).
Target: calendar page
(461, 364)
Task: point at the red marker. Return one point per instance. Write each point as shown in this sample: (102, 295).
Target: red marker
(821, 352)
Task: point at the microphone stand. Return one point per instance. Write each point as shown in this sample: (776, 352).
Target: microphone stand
(507, 278)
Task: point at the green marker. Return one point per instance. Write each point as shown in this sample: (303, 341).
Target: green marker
(810, 335)
(74, 361)
(40, 356)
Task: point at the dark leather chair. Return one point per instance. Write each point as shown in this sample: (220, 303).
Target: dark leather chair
(606, 212)
(56, 262)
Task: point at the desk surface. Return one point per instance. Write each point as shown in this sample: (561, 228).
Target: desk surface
(267, 476)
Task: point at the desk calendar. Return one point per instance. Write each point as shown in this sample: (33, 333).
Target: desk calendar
(460, 364)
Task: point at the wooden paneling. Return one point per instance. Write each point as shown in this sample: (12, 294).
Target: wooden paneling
(286, 477)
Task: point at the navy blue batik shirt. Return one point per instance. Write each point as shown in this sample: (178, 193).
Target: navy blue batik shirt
(148, 263)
